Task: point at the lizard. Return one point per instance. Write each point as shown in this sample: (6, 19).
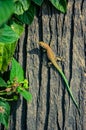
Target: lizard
(53, 59)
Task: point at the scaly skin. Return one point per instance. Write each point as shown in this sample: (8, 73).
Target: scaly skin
(52, 58)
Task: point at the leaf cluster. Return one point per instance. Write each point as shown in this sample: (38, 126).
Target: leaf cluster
(10, 90)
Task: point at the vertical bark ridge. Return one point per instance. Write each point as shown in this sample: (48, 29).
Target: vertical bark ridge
(71, 41)
(40, 63)
(24, 103)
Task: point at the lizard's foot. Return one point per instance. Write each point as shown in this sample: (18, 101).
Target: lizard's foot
(49, 64)
(58, 58)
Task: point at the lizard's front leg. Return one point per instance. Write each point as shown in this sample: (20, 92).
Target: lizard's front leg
(58, 58)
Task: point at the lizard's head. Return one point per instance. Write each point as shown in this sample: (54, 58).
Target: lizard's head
(42, 44)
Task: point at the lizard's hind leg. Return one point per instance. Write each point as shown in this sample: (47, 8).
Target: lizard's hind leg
(61, 59)
(58, 58)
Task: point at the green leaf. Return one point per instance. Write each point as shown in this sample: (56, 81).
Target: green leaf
(4, 113)
(28, 15)
(1, 29)
(38, 2)
(21, 6)
(6, 54)
(17, 28)
(60, 5)
(6, 10)
(2, 83)
(27, 95)
(8, 40)
(8, 35)
(16, 71)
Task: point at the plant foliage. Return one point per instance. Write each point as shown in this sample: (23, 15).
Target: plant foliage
(4, 112)
(21, 6)
(16, 71)
(11, 89)
(60, 5)
(6, 10)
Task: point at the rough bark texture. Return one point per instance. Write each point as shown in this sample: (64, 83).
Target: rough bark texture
(51, 107)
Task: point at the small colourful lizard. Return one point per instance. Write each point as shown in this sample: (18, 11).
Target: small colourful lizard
(53, 59)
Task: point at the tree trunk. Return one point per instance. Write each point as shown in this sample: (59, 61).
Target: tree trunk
(51, 107)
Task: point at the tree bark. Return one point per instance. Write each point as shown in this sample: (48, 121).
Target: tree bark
(51, 107)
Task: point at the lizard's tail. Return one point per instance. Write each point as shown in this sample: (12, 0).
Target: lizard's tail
(68, 87)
